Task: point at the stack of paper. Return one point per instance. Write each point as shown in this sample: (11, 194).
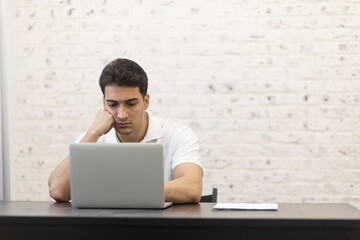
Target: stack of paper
(246, 206)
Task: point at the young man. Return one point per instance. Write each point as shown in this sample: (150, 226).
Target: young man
(124, 119)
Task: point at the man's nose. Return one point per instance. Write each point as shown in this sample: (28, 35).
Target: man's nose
(122, 113)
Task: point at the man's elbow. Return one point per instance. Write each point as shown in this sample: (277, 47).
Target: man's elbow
(58, 196)
(196, 198)
(56, 193)
(196, 195)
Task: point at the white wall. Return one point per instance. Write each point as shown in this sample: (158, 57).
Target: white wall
(271, 88)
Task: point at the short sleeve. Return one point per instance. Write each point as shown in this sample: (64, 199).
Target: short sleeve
(185, 147)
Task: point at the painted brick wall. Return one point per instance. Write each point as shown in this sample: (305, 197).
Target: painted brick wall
(271, 88)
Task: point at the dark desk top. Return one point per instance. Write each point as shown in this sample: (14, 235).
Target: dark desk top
(289, 214)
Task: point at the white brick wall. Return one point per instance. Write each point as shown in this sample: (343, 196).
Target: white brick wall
(271, 88)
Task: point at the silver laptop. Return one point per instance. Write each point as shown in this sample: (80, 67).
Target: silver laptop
(123, 175)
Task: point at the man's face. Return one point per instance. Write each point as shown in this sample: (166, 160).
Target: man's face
(126, 105)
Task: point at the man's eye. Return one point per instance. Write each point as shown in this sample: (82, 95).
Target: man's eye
(131, 104)
(112, 105)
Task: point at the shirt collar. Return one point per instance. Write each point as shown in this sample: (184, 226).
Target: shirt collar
(155, 129)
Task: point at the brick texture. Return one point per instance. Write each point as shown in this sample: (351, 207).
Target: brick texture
(271, 88)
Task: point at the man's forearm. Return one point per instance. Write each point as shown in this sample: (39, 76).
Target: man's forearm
(59, 180)
(183, 190)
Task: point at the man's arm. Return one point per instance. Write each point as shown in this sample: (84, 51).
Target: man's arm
(59, 180)
(187, 184)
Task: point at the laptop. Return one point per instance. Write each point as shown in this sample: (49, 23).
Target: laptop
(123, 175)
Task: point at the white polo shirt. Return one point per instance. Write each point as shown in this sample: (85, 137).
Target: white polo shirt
(179, 142)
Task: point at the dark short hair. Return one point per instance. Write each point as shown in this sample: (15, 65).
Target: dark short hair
(124, 72)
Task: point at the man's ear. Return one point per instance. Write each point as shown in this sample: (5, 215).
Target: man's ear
(104, 102)
(146, 101)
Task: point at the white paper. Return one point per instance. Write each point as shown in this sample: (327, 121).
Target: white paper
(246, 206)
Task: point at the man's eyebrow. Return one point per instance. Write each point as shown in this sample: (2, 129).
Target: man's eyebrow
(132, 99)
(127, 100)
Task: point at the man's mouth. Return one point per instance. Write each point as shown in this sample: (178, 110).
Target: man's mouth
(122, 124)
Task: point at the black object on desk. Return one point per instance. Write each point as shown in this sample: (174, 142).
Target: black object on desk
(211, 197)
(48, 220)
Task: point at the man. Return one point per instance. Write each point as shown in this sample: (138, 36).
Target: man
(124, 119)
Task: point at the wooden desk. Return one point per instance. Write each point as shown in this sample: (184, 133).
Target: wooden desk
(49, 220)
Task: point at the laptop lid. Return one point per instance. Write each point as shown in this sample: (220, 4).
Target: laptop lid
(126, 175)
